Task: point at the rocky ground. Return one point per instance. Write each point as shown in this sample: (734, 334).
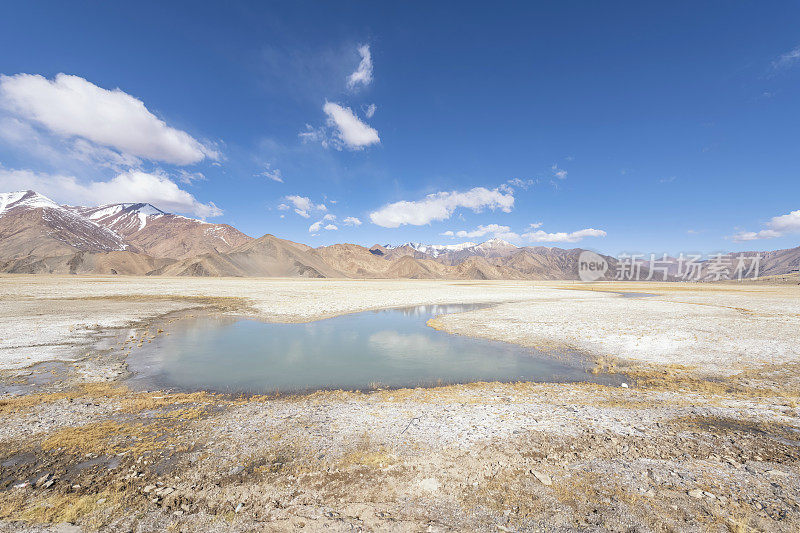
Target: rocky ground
(705, 436)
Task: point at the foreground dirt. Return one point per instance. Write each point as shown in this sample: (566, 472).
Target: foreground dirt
(690, 443)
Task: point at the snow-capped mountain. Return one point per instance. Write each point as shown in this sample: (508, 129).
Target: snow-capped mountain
(161, 234)
(432, 249)
(122, 218)
(446, 253)
(31, 223)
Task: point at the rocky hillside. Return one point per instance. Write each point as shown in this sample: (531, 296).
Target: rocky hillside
(154, 232)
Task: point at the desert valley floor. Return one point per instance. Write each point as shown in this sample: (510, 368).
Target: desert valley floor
(703, 436)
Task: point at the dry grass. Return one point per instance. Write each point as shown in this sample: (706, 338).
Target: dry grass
(70, 507)
(17, 404)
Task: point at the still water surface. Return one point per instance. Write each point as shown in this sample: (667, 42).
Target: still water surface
(391, 348)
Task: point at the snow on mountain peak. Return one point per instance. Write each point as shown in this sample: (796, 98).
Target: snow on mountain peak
(496, 243)
(28, 199)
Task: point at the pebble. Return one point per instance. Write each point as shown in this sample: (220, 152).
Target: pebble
(542, 477)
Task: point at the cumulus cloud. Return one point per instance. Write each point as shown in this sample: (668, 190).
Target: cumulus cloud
(315, 227)
(363, 74)
(351, 221)
(351, 131)
(369, 111)
(303, 205)
(448, 233)
(776, 227)
(481, 231)
(575, 236)
(70, 106)
(440, 206)
(132, 186)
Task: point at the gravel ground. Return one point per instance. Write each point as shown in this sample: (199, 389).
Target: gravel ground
(706, 436)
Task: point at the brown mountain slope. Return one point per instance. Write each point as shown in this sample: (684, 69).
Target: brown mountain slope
(353, 260)
(480, 268)
(118, 262)
(410, 268)
(267, 256)
(35, 226)
(162, 234)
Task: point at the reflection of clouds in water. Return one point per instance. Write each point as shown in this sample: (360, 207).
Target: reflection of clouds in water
(434, 310)
(396, 344)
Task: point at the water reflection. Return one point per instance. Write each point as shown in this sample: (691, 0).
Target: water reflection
(390, 347)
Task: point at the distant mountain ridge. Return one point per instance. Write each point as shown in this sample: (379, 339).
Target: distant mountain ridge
(38, 235)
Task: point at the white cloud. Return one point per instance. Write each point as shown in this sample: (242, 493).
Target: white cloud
(350, 130)
(575, 236)
(535, 225)
(186, 177)
(440, 206)
(302, 205)
(60, 152)
(559, 172)
(495, 230)
(369, 111)
(522, 184)
(776, 227)
(273, 174)
(448, 233)
(480, 231)
(743, 236)
(788, 59)
(132, 186)
(363, 74)
(786, 223)
(352, 221)
(315, 227)
(70, 106)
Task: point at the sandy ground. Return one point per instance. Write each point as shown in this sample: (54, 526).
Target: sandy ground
(705, 437)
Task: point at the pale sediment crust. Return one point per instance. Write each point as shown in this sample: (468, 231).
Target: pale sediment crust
(674, 450)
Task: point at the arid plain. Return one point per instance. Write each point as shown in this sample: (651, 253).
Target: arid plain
(704, 435)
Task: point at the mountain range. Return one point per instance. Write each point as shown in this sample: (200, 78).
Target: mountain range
(37, 235)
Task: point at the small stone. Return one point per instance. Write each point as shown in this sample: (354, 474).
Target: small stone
(542, 477)
(101, 501)
(430, 484)
(148, 489)
(696, 493)
(624, 385)
(238, 508)
(777, 473)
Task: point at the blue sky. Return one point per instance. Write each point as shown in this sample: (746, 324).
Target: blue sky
(619, 127)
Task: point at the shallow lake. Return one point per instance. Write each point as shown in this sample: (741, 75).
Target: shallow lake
(387, 348)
